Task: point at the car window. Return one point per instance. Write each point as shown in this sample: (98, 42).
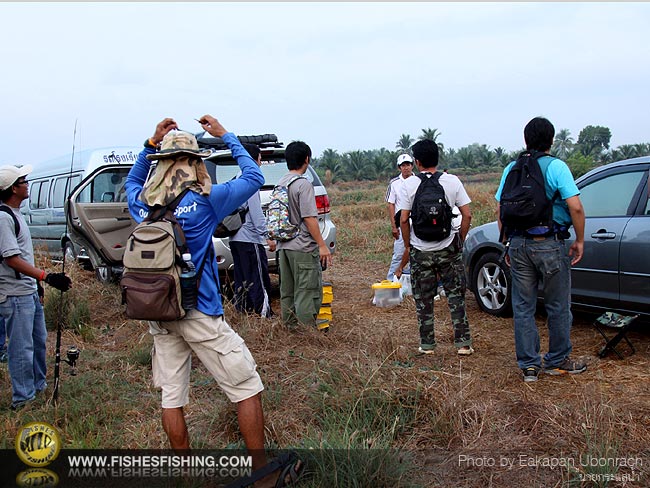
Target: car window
(34, 188)
(42, 196)
(62, 188)
(105, 187)
(272, 170)
(610, 196)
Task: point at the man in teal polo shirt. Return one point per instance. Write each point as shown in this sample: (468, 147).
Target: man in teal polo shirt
(544, 257)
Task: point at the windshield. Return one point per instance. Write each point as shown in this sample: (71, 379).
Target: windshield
(272, 169)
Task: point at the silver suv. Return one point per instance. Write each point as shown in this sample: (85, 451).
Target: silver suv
(100, 225)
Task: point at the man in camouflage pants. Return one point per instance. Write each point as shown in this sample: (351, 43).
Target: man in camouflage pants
(431, 258)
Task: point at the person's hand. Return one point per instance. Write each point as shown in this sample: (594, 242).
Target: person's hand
(163, 127)
(575, 251)
(272, 245)
(325, 256)
(59, 281)
(212, 126)
(398, 272)
(395, 233)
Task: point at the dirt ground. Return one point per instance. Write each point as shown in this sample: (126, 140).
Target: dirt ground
(476, 423)
(507, 432)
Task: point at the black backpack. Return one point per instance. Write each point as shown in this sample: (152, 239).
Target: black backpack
(5, 208)
(431, 215)
(524, 203)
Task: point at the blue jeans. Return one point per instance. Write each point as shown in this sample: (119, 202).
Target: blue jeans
(398, 252)
(26, 334)
(3, 335)
(547, 263)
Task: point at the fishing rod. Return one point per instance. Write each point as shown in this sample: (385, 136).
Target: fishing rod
(73, 352)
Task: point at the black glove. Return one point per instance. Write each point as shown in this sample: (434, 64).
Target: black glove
(41, 291)
(59, 281)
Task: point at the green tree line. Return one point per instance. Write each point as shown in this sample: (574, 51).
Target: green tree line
(591, 149)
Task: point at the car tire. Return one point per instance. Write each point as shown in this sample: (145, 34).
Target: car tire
(491, 284)
(68, 252)
(104, 274)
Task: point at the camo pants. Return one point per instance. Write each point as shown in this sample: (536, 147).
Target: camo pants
(425, 266)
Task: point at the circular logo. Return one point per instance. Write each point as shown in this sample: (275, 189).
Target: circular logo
(43, 478)
(37, 444)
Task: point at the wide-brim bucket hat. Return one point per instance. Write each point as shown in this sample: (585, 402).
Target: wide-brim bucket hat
(177, 142)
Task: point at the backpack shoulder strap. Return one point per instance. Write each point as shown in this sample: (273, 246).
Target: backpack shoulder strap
(6, 209)
(543, 167)
(294, 178)
(160, 211)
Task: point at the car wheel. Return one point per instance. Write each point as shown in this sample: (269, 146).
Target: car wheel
(68, 251)
(104, 274)
(491, 282)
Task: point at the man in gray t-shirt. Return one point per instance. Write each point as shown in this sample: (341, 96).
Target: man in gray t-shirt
(302, 258)
(20, 304)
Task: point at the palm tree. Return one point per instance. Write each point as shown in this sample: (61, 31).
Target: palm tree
(355, 166)
(404, 143)
(485, 155)
(432, 135)
(643, 149)
(465, 157)
(330, 159)
(383, 161)
(563, 144)
(329, 165)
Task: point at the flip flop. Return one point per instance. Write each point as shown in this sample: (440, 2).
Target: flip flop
(286, 463)
(290, 474)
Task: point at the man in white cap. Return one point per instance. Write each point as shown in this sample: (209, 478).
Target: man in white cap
(394, 205)
(20, 304)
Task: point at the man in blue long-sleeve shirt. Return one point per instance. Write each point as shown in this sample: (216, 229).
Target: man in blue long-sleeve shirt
(203, 330)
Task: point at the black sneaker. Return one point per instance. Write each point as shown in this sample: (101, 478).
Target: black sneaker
(530, 374)
(568, 366)
(20, 405)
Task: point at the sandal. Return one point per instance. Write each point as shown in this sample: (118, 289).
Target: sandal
(290, 467)
(290, 474)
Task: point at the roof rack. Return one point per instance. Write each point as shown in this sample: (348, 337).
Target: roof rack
(206, 141)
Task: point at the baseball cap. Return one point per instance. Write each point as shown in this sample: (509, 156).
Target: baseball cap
(404, 158)
(9, 174)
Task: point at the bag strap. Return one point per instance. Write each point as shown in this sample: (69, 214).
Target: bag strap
(160, 212)
(6, 209)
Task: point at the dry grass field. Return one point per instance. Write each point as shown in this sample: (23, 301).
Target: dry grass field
(394, 417)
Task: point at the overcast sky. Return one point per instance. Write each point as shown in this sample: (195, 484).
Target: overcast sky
(336, 75)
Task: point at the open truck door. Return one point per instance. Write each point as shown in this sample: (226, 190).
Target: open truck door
(99, 220)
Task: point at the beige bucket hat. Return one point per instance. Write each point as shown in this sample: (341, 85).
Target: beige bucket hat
(178, 142)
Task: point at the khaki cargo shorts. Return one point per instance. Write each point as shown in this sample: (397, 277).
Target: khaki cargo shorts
(217, 346)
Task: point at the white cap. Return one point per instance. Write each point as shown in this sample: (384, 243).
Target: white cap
(9, 175)
(187, 256)
(404, 158)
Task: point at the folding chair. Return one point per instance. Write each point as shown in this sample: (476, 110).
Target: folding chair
(622, 324)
